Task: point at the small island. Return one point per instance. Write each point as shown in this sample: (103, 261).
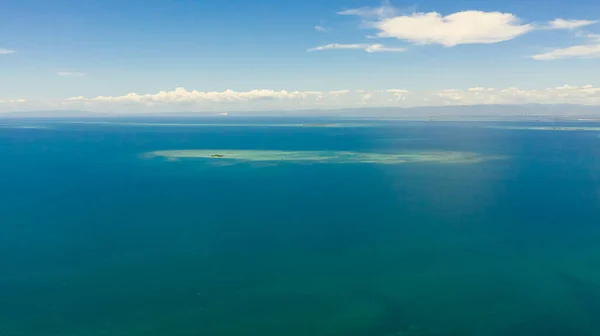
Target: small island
(217, 155)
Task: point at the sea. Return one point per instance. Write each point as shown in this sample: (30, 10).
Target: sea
(97, 238)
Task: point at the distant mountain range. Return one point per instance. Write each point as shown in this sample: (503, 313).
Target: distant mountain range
(476, 112)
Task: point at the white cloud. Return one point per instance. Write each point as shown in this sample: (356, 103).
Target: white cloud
(346, 98)
(321, 29)
(8, 101)
(339, 46)
(367, 98)
(588, 94)
(7, 51)
(480, 89)
(465, 27)
(569, 24)
(468, 27)
(370, 48)
(180, 95)
(589, 50)
(339, 92)
(582, 51)
(380, 48)
(70, 74)
(256, 100)
(452, 95)
(386, 10)
(398, 94)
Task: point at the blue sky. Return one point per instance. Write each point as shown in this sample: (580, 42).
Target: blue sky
(433, 51)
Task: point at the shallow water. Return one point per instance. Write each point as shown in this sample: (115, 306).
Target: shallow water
(318, 157)
(95, 239)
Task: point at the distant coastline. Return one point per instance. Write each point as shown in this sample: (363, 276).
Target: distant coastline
(524, 112)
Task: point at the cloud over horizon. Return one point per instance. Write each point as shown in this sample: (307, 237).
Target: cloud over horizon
(587, 94)
(181, 99)
(182, 95)
(7, 101)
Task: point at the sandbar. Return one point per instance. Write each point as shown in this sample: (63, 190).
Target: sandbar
(435, 157)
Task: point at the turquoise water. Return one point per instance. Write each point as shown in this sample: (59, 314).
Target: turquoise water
(97, 238)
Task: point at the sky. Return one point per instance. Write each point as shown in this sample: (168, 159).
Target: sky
(221, 55)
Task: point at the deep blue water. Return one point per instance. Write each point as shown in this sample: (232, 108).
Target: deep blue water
(96, 239)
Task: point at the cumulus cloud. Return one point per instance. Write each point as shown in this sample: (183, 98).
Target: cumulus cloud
(465, 27)
(370, 48)
(7, 51)
(321, 29)
(569, 24)
(70, 74)
(468, 27)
